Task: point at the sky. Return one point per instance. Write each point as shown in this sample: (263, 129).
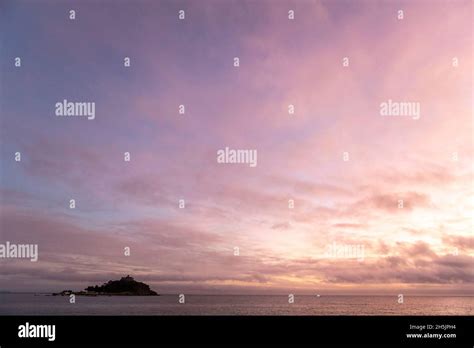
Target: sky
(424, 247)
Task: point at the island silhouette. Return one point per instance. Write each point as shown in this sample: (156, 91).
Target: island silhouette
(126, 286)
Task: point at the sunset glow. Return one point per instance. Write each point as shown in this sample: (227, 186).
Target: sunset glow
(394, 214)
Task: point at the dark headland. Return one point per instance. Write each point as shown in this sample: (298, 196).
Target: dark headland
(126, 286)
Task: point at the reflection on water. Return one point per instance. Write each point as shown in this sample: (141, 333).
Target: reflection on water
(30, 304)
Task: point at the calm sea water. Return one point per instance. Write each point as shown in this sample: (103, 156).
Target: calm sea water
(31, 304)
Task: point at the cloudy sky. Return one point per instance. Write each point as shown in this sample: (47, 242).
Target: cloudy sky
(426, 246)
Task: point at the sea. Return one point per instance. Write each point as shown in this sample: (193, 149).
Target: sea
(45, 304)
